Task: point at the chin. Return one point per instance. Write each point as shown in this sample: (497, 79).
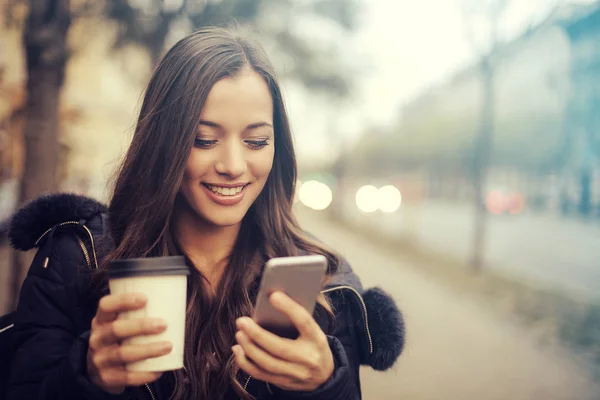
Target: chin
(222, 219)
(224, 223)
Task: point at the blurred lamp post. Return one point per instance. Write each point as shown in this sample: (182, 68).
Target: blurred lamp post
(482, 31)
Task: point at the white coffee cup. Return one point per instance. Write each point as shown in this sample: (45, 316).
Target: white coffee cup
(164, 282)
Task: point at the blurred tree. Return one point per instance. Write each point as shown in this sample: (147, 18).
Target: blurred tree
(489, 12)
(45, 42)
(149, 23)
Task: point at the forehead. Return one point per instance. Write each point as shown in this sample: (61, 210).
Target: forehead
(244, 98)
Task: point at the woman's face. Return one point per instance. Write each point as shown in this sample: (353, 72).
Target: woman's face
(233, 151)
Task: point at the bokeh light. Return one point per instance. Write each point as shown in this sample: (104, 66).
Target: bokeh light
(367, 199)
(390, 199)
(315, 195)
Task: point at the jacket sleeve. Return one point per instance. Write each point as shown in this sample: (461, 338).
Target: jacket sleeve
(49, 360)
(344, 383)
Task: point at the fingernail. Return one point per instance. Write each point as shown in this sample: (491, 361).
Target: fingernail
(164, 346)
(159, 324)
(239, 335)
(241, 323)
(236, 349)
(140, 299)
(276, 297)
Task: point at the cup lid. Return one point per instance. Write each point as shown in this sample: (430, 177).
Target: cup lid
(149, 266)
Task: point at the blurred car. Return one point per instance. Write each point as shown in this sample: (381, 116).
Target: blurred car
(503, 200)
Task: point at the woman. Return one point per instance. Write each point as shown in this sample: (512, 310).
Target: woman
(210, 174)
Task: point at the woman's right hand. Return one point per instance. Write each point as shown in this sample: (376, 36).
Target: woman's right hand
(107, 357)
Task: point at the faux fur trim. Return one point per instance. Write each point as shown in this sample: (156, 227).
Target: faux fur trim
(386, 326)
(41, 214)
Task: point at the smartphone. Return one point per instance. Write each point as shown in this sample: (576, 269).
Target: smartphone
(300, 278)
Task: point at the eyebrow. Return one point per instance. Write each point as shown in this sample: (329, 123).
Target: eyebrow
(249, 127)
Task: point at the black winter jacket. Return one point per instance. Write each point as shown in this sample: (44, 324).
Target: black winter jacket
(51, 330)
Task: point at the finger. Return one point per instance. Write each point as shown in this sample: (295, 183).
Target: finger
(302, 320)
(114, 332)
(269, 363)
(282, 348)
(125, 354)
(252, 369)
(114, 377)
(110, 306)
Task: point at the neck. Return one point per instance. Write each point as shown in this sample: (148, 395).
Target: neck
(208, 246)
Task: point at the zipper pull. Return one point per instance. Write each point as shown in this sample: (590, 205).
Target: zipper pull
(49, 247)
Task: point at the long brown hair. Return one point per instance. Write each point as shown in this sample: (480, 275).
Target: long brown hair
(147, 186)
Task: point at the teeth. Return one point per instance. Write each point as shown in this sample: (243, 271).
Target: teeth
(225, 191)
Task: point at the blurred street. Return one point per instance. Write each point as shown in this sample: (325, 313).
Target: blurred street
(456, 347)
(544, 249)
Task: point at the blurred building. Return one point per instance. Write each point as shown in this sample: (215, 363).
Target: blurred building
(582, 144)
(546, 117)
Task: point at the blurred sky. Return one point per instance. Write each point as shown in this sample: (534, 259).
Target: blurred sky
(408, 47)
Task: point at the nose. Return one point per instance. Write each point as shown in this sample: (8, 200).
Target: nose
(231, 161)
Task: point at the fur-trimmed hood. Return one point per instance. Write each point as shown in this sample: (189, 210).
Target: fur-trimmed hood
(42, 214)
(382, 328)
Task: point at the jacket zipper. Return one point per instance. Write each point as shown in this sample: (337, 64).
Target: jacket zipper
(364, 307)
(150, 391)
(85, 252)
(81, 244)
(93, 245)
(59, 225)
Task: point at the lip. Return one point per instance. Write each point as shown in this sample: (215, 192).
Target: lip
(226, 200)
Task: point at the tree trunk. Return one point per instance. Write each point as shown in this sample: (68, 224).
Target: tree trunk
(45, 41)
(483, 150)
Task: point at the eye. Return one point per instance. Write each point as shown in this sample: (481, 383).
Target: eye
(257, 144)
(204, 143)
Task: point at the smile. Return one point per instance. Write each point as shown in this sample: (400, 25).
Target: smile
(225, 191)
(225, 195)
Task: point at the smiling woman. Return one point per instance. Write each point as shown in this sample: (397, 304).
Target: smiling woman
(210, 175)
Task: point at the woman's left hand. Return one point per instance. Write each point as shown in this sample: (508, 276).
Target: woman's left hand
(302, 364)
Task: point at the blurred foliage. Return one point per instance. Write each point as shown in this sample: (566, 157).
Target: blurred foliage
(149, 22)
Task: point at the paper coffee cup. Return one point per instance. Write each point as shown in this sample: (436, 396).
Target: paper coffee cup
(164, 282)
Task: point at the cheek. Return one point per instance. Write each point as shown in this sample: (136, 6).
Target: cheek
(195, 167)
(264, 164)
(193, 172)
